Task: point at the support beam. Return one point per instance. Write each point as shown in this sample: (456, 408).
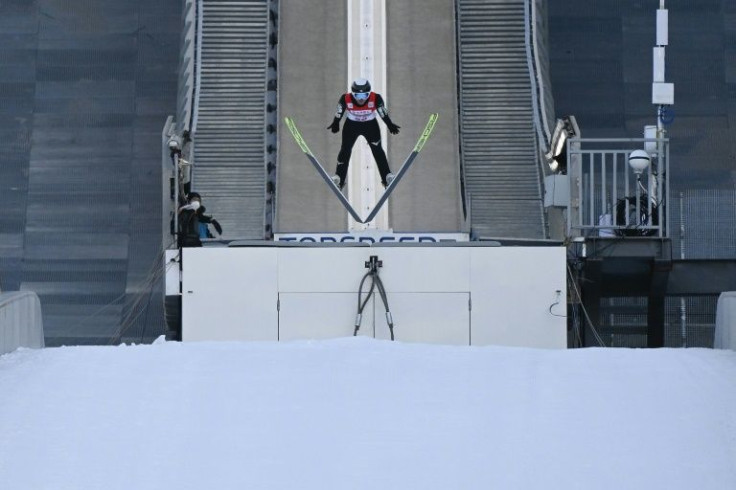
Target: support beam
(591, 295)
(655, 303)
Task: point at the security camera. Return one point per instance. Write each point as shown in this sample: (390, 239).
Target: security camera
(174, 143)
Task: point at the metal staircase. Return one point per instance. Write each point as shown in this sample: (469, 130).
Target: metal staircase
(499, 149)
(229, 125)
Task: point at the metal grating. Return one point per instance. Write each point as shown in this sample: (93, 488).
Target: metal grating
(689, 322)
(497, 129)
(230, 123)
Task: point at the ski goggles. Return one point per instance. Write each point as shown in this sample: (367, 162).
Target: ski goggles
(361, 96)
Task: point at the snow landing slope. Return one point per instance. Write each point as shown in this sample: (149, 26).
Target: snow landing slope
(365, 414)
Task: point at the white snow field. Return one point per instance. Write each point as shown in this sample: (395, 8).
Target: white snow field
(358, 413)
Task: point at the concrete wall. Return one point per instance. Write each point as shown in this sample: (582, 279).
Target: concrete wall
(312, 76)
(725, 335)
(21, 323)
(464, 295)
(422, 79)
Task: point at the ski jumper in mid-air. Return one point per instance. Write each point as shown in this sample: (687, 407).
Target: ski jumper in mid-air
(360, 106)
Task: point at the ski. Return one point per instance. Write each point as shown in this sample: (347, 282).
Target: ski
(325, 176)
(405, 166)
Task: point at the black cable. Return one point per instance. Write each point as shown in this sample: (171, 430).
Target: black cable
(147, 286)
(145, 318)
(627, 206)
(577, 340)
(376, 282)
(362, 305)
(382, 292)
(555, 304)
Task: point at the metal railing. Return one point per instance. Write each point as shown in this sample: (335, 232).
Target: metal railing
(188, 61)
(608, 197)
(535, 14)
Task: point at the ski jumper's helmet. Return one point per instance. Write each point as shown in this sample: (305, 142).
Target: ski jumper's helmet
(361, 89)
(361, 86)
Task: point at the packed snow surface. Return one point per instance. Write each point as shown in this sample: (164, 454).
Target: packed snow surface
(359, 413)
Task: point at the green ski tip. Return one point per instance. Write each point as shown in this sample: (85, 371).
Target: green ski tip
(427, 132)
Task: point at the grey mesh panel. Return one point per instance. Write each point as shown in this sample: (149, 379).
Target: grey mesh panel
(497, 128)
(229, 137)
(710, 223)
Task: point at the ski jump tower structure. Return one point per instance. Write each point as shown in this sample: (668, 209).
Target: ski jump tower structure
(507, 221)
(461, 253)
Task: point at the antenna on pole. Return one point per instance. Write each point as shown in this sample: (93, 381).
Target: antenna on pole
(663, 93)
(663, 96)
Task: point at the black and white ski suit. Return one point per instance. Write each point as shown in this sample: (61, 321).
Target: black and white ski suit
(361, 121)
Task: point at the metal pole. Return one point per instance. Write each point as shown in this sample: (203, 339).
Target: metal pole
(683, 308)
(660, 135)
(655, 186)
(175, 159)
